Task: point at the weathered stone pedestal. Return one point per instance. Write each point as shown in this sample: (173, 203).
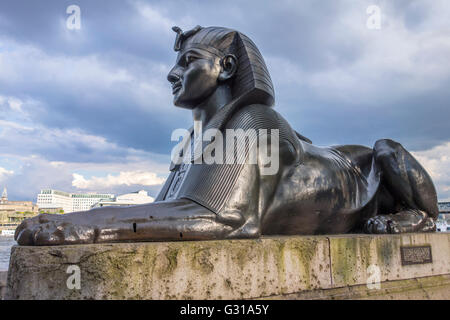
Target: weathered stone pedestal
(314, 267)
(3, 277)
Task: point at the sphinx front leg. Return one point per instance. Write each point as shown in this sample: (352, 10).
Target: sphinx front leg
(165, 230)
(171, 220)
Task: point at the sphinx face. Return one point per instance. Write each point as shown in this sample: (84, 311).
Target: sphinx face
(194, 77)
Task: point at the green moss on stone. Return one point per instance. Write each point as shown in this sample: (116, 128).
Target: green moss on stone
(385, 250)
(304, 250)
(201, 260)
(343, 257)
(172, 258)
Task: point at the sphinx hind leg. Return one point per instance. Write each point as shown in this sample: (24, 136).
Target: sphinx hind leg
(411, 187)
(411, 220)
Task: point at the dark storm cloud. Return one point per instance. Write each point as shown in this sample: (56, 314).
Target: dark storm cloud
(108, 26)
(315, 36)
(117, 33)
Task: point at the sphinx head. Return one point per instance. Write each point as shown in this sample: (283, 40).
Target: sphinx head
(212, 57)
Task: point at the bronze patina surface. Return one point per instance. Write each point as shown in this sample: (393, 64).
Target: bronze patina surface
(222, 78)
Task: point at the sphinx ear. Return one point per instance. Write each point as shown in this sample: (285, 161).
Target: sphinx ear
(229, 66)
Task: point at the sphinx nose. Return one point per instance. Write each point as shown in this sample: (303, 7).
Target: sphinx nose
(173, 76)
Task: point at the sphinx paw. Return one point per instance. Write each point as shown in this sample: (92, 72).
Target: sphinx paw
(47, 230)
(382, 224)
(429, 225)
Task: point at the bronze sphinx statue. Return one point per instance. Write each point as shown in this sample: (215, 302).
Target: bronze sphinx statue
(221, 76)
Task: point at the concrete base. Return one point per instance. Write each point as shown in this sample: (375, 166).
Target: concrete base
(297, 267)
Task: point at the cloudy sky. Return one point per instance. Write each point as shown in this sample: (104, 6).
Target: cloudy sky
(91, 109)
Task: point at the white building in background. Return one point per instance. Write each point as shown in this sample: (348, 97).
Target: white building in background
(443, 221)
(444, 207)
(125, 200)
(69, 202)
(51, 199)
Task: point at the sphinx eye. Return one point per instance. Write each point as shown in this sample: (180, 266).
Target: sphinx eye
(190, 59)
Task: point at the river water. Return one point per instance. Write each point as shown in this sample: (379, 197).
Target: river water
(5, 250)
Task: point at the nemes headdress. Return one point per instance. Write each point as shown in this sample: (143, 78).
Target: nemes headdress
(252, 83)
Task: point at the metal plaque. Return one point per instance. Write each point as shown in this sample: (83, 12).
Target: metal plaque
(416, 255)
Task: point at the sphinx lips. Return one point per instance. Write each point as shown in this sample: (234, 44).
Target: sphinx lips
(176, 87)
